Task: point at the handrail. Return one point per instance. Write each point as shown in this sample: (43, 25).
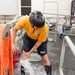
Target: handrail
(11, 23)
(59, 14)
(72, 48)
(14, 21)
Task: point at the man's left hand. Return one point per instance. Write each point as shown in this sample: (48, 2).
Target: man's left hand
(25, 55)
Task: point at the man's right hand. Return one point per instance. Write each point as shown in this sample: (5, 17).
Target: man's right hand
(13, 34)
(14, 48)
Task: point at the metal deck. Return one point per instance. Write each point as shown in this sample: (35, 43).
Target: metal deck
(54, 52)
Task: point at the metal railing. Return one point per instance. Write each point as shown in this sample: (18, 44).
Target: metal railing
(20, 33)
(72, 48)
(11, 23)
(56, 28)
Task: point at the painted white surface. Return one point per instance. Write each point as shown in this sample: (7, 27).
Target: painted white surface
(12, 7)
(8, 7)
(51, 6)
(64, 6)
(37, 5)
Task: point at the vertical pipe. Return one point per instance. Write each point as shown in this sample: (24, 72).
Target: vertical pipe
(62, 54)
(55, 34)
(19, 7)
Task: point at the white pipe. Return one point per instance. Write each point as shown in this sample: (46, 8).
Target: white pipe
(19, 7)
(72, 47)
(61, 72)
(14, 21)
(62, 54)
(55, 34)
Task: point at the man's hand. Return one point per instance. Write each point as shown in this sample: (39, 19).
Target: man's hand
(25, 55)
(14, 48)
(13, 35)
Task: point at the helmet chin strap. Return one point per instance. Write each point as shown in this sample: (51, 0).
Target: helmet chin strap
(33, 30)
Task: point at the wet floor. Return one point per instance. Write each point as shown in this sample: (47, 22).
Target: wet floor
(54, 52)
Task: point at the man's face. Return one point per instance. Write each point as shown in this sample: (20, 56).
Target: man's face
(36, 27)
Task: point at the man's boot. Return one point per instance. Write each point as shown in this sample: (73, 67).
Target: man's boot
(22, 70)
(48, 70)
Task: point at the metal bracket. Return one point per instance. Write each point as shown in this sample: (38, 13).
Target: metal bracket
(6, 31)
(7, 71)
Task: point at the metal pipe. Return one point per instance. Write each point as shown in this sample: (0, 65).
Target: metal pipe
(59, 14)
(72, 47)
(61, 72)
(13, 21)
(55, 34)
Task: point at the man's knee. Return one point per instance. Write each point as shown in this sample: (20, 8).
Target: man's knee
(45, 57)
(42, 53)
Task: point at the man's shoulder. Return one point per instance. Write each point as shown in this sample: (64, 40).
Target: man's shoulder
(25, 17)
(45, 26)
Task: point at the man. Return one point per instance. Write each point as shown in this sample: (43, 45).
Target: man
(35, 37)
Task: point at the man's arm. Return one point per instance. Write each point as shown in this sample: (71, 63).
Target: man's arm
(27, 54)
(14, 32)
(37, 44)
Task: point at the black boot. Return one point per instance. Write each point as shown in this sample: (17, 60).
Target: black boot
(48, 70)
(22, 70)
